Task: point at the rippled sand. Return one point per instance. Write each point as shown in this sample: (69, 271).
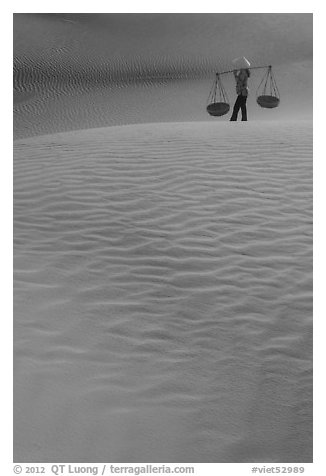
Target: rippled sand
(163, 294)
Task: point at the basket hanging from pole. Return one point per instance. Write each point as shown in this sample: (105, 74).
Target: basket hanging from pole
(218, 102)
(268, 95)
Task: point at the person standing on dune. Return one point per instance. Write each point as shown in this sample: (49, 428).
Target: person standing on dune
(241, 77)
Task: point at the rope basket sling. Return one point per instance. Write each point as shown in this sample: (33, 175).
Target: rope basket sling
(218, 102)
(268, 95)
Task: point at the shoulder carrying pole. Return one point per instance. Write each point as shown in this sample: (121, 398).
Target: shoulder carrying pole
(253, 67)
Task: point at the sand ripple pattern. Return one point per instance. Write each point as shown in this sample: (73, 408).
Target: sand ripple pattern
(72, 77)
(163, 294)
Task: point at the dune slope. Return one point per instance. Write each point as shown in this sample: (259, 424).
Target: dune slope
(163, 294)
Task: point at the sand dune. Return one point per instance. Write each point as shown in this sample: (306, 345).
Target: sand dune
(163, 294)
(162, 270)
(136, 45)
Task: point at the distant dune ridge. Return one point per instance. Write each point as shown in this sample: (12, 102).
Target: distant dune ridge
(75, 71)
(162, 265)
(163, 294)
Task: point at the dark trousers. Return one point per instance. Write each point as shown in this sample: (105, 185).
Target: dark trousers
(240, 103)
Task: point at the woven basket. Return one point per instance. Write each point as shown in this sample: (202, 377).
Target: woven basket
(218, 108)
(268, 101)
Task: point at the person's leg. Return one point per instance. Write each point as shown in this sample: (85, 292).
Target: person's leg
(236, 108)
(243, 108)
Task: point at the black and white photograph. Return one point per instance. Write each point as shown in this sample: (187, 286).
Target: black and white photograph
(163, 238)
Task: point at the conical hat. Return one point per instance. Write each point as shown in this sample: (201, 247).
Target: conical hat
(241, 62)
